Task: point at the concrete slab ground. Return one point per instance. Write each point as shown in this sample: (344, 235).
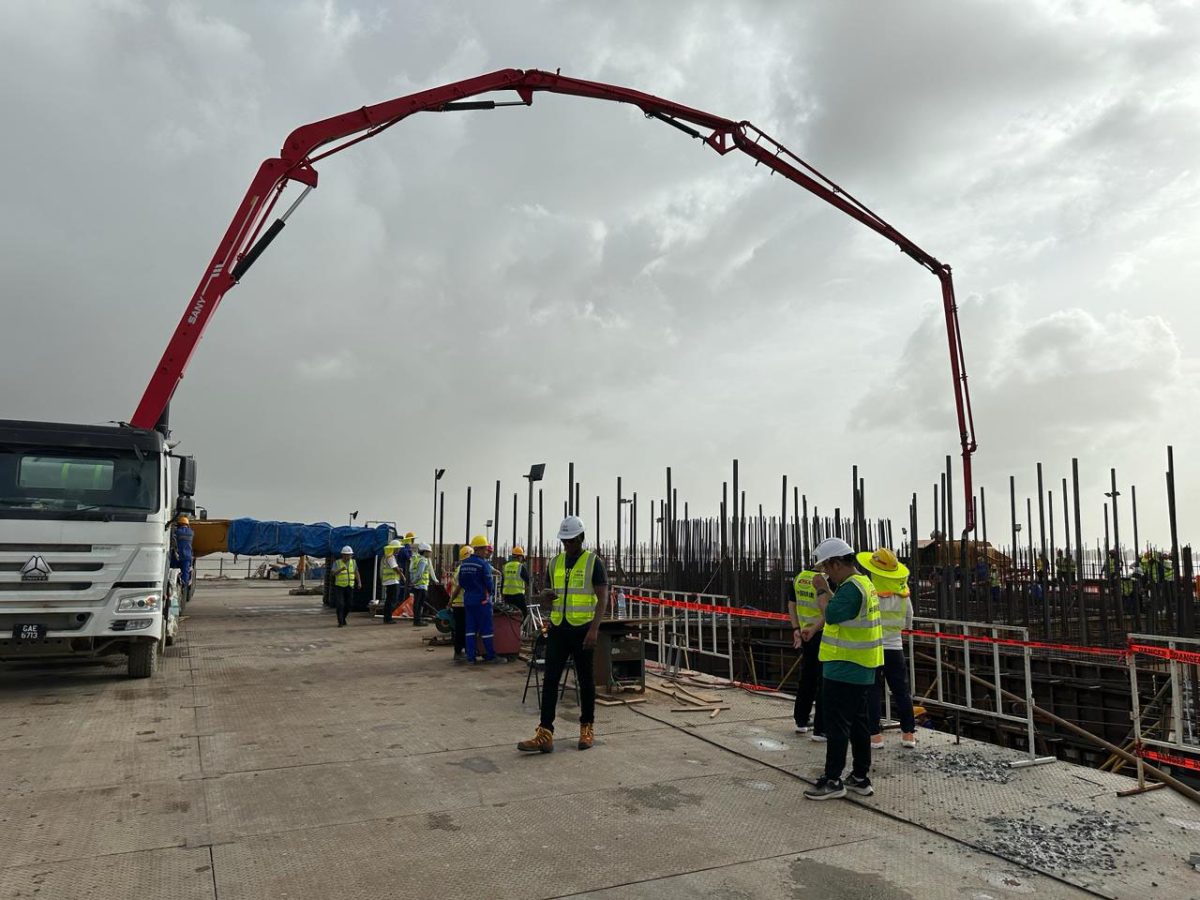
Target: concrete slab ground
(276, 756)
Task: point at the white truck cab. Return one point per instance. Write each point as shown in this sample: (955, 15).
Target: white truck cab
(85, 535)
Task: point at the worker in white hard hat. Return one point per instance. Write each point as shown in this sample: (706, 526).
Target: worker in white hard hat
(390, 577)
(851, 651)
(345, 580)
(578, 598)
(420, 574)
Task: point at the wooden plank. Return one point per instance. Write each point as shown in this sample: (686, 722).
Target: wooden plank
(698, 709)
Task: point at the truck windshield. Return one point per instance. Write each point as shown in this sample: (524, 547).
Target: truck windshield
(56, 481)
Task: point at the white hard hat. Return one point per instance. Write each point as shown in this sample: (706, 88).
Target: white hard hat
(348, 549)
(423, 548)
(831, 548)
(571, 527)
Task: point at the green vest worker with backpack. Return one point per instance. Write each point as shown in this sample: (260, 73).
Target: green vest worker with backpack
(577, 598)
(851, 651)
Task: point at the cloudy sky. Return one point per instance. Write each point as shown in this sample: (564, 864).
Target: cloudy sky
(480, 291)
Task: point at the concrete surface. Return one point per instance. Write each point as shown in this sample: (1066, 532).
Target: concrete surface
(276, 756)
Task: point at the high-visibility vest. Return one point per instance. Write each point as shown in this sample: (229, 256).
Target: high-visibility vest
(514, 584)
(344, 572)
(858, 640)
(419, 572)
(387, 574)
(893, 602)
(807, 610)
(575, 598)
(1168, 569)
(455, 601)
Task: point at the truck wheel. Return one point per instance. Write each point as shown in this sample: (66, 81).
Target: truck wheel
(143, 659)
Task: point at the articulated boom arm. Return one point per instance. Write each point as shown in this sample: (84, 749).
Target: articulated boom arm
(246, 238)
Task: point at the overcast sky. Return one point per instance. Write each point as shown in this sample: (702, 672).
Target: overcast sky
(481, 291)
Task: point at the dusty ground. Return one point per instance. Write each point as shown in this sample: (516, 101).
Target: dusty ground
(278, 756)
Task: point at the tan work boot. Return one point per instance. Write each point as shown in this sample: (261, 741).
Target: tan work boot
(541, 742)
(587, 736)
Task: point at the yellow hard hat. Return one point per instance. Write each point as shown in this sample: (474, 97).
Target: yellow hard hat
(409, 536)
(184, 520)
(479, 541)
(883, 562)
(464, 551)
(518, 550)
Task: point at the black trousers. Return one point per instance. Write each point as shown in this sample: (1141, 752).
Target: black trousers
(391, 599)
(517, 600)
(343, 599)
(808, 690)
(895, 673)
(419, 595)
(460, 630)
(565, 642)
(847, 723)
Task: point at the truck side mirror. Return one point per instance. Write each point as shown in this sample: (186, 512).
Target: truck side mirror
(187, 476)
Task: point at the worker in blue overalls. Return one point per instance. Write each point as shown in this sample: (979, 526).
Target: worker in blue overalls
(478, 587)
(182, 545)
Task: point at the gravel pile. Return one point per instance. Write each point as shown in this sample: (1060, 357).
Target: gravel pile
(965, 764)
(1089, 842)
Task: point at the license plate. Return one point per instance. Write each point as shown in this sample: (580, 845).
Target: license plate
(29, 632)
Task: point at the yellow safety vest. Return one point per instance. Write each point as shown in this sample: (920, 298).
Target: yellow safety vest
(388, 575)
(343, 572)
(858, 640)
(574, 595)
(514, 584)
(807, 610)
(419, 571)
(455, 601)
(893, 602)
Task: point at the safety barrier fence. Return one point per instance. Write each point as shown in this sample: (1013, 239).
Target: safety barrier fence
(703, 624)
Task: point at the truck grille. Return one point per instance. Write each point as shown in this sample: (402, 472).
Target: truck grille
(52, 621)
(30, 587)
(45, 548)
(58, 566)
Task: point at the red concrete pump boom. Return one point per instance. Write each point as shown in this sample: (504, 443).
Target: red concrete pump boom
(246, 239)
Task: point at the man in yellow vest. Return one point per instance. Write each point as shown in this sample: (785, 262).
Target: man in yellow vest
(457, 610)
(890, 578)
(806, 637)
(345, 580)
(851, 651)
(420, 574)
(390, 578)
(516, 577)
(578, 598)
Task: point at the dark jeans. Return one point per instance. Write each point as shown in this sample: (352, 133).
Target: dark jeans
(391, 599)
(517, 600)
(562, 643)
(420, 596)
(808, 690)
(895, 672)
(847, 722)
(460, 630)
(343, 599)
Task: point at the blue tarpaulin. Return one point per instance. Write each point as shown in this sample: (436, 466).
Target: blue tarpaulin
(250, 537)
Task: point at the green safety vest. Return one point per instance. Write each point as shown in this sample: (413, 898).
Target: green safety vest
(574, 595)
(388, 575)
(1168, 570)
(343, 572)
(455, 601)
(893, 602)
(514, 584)
(807, 610)
(860, 640)
(419, 571)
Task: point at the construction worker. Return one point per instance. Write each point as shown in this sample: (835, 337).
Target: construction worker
(478, 588)
(1066, 569)
(420, 574)
(182, 544)
(389, 577)
(578, 595)
(456, 607)
(403, 561)
(1168, 567)
(851, 650)
(890, 578)
(806, 637)
(345, 580)
(516, 579)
